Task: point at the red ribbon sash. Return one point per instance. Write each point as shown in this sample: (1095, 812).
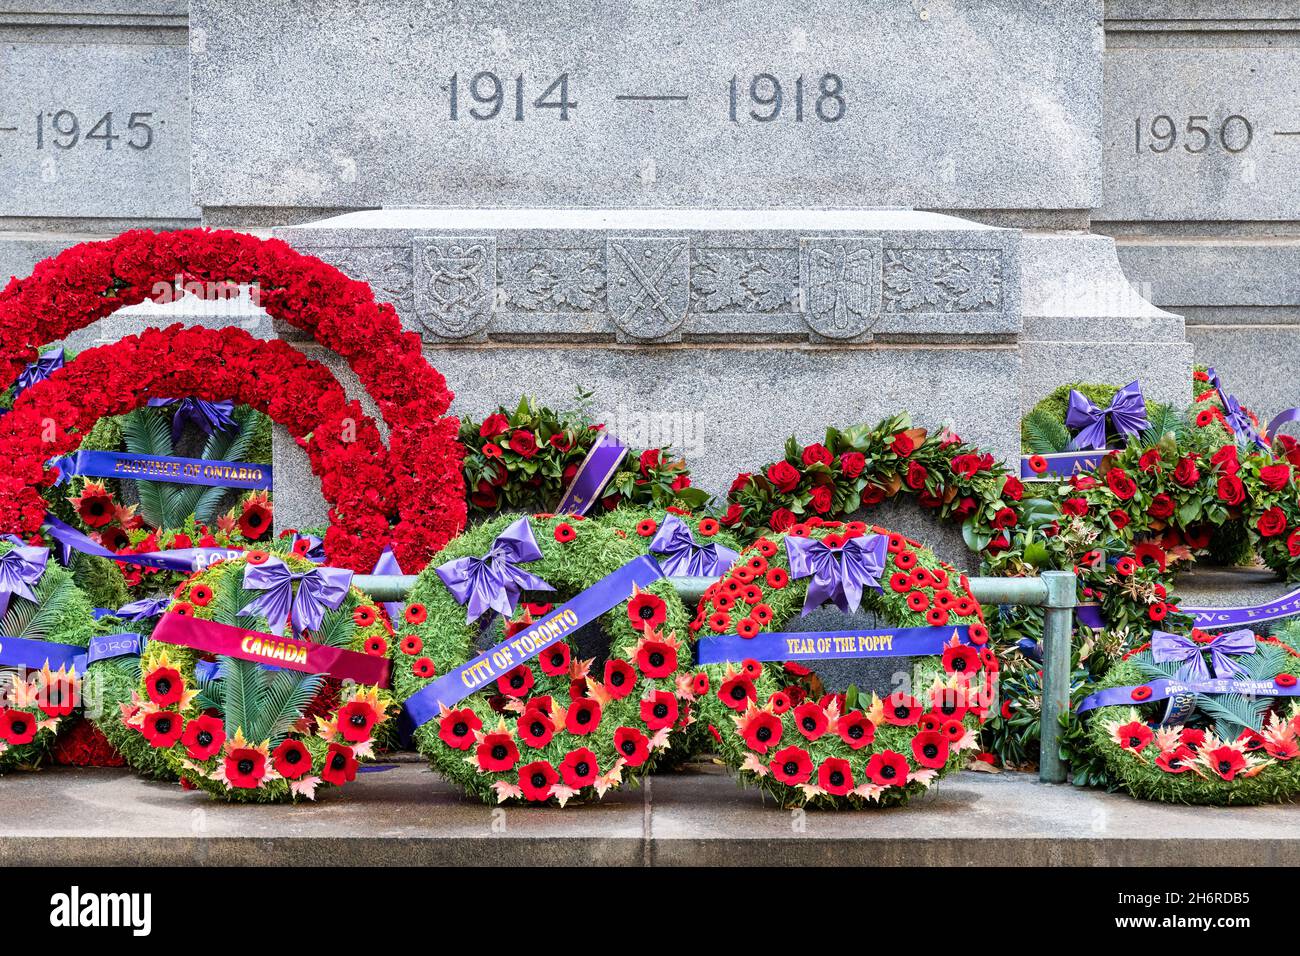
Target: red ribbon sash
(286, 652)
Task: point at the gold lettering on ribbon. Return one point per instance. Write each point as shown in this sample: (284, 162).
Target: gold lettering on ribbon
(522, 645)
(259, 646)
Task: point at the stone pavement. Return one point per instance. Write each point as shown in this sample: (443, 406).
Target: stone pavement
(408, 816)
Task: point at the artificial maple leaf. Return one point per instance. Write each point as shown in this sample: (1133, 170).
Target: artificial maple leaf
(924, 776)
(754, 765)
(876, 712)
(578, 670)
(598, 692)
(660, 739)
(305, 787)
(869, 791)
(611, 778)
(506, 791)
(563, 794)
(364, 750)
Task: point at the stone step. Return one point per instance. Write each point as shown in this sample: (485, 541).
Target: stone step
(409, 816)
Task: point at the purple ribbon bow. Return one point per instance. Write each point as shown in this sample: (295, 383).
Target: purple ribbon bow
(208, 416)
(38, 371)
(838, 574)
(1127, 411)
(493, 581)
(1236, 416)
(20, 568)
(142, 610)
(319, 590)
(681, 556)
(1166, 648)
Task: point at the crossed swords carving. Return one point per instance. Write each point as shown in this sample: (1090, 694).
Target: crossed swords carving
(650, 283)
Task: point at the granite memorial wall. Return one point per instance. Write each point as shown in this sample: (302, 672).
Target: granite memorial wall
(1054, 152)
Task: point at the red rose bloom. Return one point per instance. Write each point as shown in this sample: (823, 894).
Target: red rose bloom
(578, 769)
(1161, 507)
(493, 425)
(1230, 490)
(1150, 460)
(291, 759)
(791, 766)
(902, 445)
(852, 463)
(916, 475)
(647, 611)
(523, 443)
(162, 729)
(497, 753)
(888, 769)
(1013, 488)
(1121, 484)
(649, 461)
(1119, 519)
(1226, 459)
(456, 728)
(835, 776)
(204, 737)
(816, 454)
(1186, 473)
(784, 476)
(1005, 518)
(620, 679)
(1075, 506)
(245, 768)
(632, 745)
(164, 686)
(516, 682)
(821, 499)
(356, 720)
(1271, 523)
(1275, 477)
(782, 520)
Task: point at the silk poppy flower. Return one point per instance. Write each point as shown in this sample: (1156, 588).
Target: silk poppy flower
(364, 615)
(1285, 680)
(777, 578)
(1141, 693)
(655, 659)
(950, 703)
(760, 730)
(906, 561)
(659, 710)
(564, 532)
(1037, 464)
(412, 644)
(1281, 748)
(953, 730)
(1227, 762)
(164, 686)
(780, 702)
(201, 595)
(620, 678)
(376, 646)
(535, 728)
(724, 601)
(888, 768)
(1133, 736)
(554, 661)
(632, 745)
(762, 613)
(578, 769)
(647, 611)
(245, 768)
(456, 728)
(810, 720)
(95, 505)
(936, 617)
(1191, 738)
(57, 696)
(1250, 740)
(979, 634)
(340, 765)
(918, 601)
(757, 564)
(255, 520)
(204, 737)
(162, 728)
(583, 717)
(736, 692)
(291, 759)
(517, 681)
(537, 779)
(739, 578)
(17, 727)
(930, 749)
(415, 614)
(835, 776)
(856, 730)
(748, 628)
(424, 668)
(700, 684)
(356, 721)
(709, 527)
(930, 721)
(647, 527)
(901, 709)
(1177, 760)
(960, 659)
(900, 583)
(791, 766)
(496, 752)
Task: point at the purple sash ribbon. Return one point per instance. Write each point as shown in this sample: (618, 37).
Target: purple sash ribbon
(1217, 617)
(682, 557)
(319, 590)
(1165, 687)
(1238, 420)
(185, 560)
(180, 471)
(208, 416)
(141, 610)
(1290, 415)
(592, 476)
(1061, 465)
(839, 575)
(1089, 615)
(1169, 648)
(49, 362)
(21, 568)
(114, 645)
(828, 645)
(493, 581)
(458, 683)
(33, 655)
(1127, 411)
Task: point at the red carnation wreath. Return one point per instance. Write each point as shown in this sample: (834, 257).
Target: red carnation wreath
(90, 281)
(50, 419)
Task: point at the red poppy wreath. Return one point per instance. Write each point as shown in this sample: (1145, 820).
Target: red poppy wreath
(850, 749)
(261, 682)
(501, 698)
(92, 280)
